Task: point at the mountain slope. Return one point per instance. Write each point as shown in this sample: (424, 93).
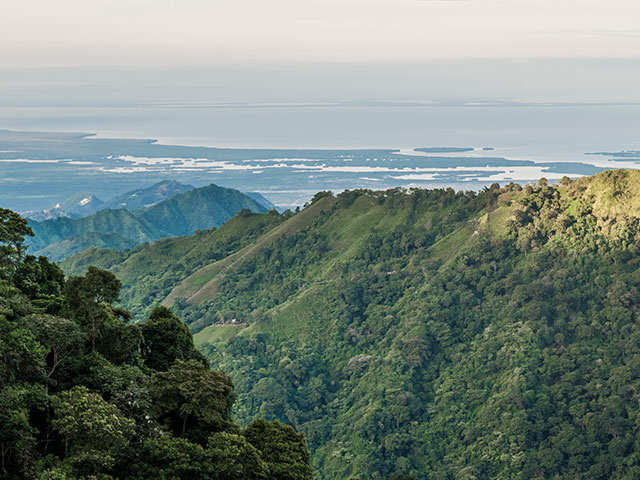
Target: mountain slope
(181, 214)
(124, 223)
(197, 209)
(79, 243)
(148, 196)
(258, 197)
(81, 204)
(149, 272)
(76, 206)
(201, 283)
(438, 334)
(84, 204)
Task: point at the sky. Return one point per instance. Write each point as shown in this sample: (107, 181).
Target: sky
(207, 32)
(114, 52)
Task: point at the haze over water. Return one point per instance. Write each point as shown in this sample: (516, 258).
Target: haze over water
(537, 132)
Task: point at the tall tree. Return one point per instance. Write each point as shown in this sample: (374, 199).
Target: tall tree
(234, 458)
(89, 298)
(41, 281)
(13, 229)
(64, 338)
(17, 435)
(167, 339)
(284, 450)
(95, 432)
(193, 400)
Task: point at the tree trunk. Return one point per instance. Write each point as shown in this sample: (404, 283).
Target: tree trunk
(4, 453)
(184, 423)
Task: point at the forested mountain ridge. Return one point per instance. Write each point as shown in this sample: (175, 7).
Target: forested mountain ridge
(149, 272)
(181, 214)
(434, 333)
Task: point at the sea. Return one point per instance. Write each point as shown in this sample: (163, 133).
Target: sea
(277, 149)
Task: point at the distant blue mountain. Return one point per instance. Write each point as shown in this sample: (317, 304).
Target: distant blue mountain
(182, 214)
(146, 197)
(261, 200)
(84, 204)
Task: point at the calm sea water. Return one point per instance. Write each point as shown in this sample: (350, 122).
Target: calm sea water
(555, 132)
(539, 133)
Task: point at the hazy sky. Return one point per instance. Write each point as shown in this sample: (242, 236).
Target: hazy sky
(36, 33)
(122, 52)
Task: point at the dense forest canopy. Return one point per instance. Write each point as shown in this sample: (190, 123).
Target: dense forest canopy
(84, 393)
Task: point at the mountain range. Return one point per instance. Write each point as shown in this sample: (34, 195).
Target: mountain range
(83, 204)
(127, 226)
(431, 333)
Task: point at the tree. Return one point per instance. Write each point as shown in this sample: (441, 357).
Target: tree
(565, 181)
(284, 450)
(166, 339)
(119, 343)
(89, 298)
(168, 457)
(22, 357)
(95, 287)
(17, 435)
(41, 281)
(234, 458)
(126, 387)
(13, 229)
(62, 337)
(193, 400)
(320, 195)
(95, 432)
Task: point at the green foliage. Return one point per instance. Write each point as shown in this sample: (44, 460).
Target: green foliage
(13, 230)
(149, 273)
(225, 457)
(407, 334)
(166, 339)
(320, 195)
(78, 398)
(171, 458)
(23, 358)
(236, 458)
(17, 435)
(283, 450)
(64, 338)
(41, 281)
(446, 335)
(89, 298)
(96, 286)
(193, 400)
(95, 432)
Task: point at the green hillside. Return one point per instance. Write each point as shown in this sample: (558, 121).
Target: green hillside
(150, 272)
(182, 214)
(200, 208)
(79, 243)
(438, 334)
(126, 224)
